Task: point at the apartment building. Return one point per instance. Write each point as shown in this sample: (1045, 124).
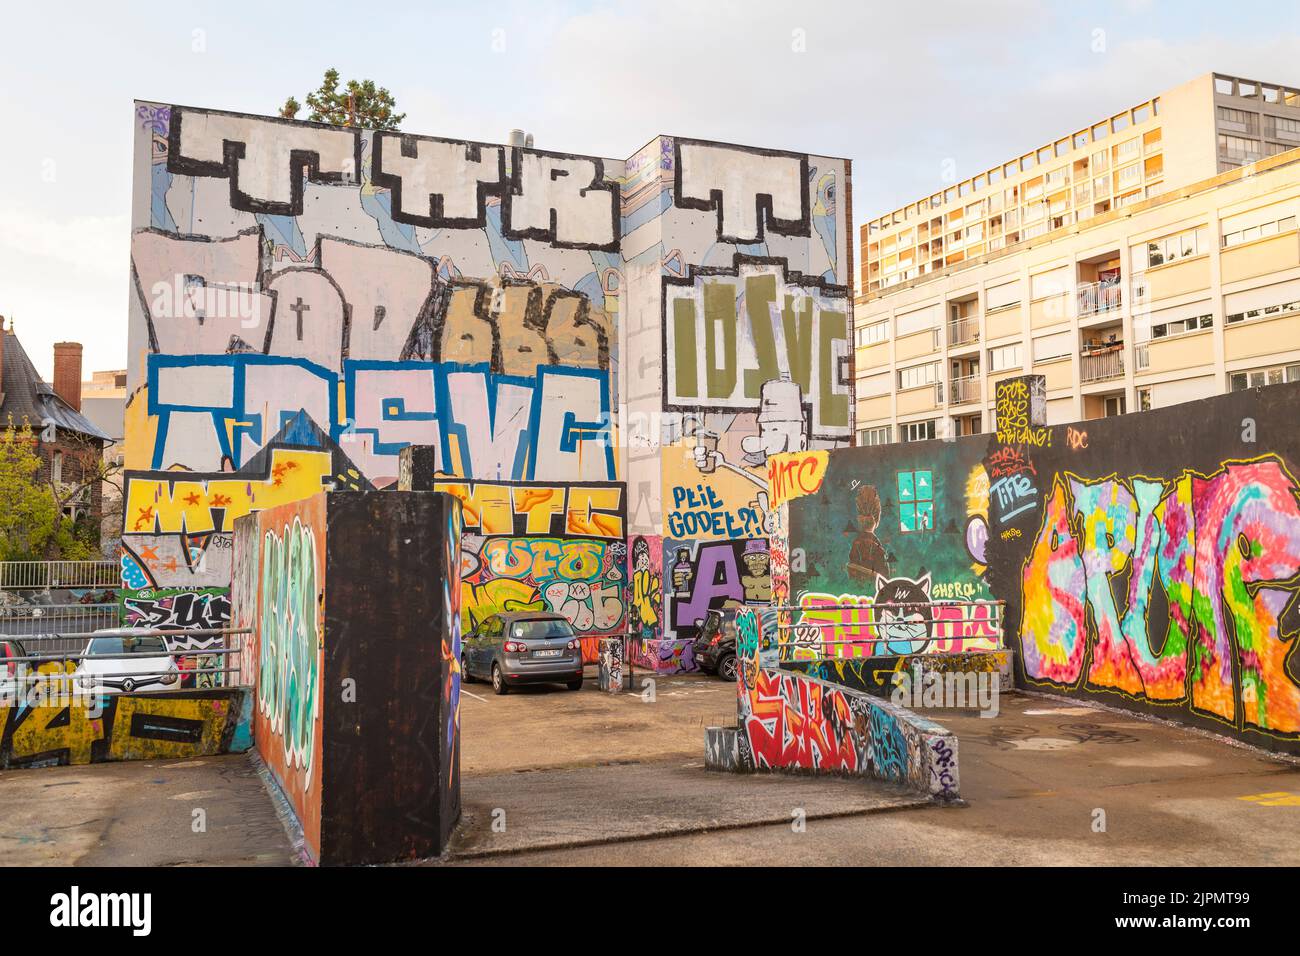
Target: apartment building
(1147, 259)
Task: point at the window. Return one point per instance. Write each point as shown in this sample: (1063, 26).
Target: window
(1263, 230)
(1238, 121)
(1170, 248)
(916, 495)
(1283, 307)
(1005, 357)
(873, 333)
(1129, 176)
(874, 436)
(1237, 147)
(1129, 149)
(1164, 330)
(1144, 399)
(917, 431)
(918, 376)
(56, 468)
(1283, 128)
(1258, 378)
(1114, 405)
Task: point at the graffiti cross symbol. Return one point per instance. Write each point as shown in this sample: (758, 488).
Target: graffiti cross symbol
(298, 308)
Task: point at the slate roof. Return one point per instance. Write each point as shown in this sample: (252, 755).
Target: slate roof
(24, 396)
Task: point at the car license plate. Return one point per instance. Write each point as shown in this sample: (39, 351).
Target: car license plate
(555, 653)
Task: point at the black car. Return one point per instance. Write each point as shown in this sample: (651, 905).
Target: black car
(715, 648)
(523, 648)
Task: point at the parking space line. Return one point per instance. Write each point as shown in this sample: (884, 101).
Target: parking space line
(472, 694)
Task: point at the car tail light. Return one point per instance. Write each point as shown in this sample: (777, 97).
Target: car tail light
(515, 647)
(716, 638)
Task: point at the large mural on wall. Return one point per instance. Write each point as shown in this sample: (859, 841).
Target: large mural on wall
(536, 546)
(1150, 561)
(739, 310)
(399, 290)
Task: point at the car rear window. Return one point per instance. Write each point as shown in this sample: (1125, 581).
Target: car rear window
(127, 645)
(540, 630)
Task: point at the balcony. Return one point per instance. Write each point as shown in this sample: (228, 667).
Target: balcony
(965, 390)
(1098, 297)
(963, 331)
(1101, 366)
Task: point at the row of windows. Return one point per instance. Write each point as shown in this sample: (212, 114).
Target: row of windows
(1114, 404)
(918, 375)
(1257, 378)
(1166, 330)
(1182, 245)
(1236, 317)
(872, 334)
(1261, 231)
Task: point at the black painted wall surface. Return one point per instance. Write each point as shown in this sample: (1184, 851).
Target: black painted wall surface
(391, 778)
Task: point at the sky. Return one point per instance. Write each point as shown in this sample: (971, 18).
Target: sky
(910, 92)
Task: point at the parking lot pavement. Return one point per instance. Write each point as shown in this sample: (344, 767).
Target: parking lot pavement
(547, 726)
(1048, 782)
(205, 811)
(617, 805)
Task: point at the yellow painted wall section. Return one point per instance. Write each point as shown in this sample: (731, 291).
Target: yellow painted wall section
(1003, 323)
(1185, 352)
(1260, 337)
(1178, 278)
(1260, 258)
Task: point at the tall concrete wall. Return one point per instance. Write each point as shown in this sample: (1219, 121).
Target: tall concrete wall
(1150, 561)
(353, 598)
(664, 323)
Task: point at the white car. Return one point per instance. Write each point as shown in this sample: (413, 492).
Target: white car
(148, 667)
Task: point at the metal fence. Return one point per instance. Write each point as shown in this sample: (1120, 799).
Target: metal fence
(42, 669)
(19, 620)
(15, 575)
(879, 630)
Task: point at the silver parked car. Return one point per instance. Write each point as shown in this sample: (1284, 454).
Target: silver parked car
(523, 648)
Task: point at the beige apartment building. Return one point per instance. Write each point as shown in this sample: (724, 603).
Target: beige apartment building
(1147, 259)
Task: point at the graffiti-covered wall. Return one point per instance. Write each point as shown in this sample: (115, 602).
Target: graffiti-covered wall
(663, 323)
(533, 546)
(1150, 561)
(739, 315)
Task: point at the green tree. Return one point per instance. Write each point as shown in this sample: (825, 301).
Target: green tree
(33, 526)
(360, 103)
(29, 517)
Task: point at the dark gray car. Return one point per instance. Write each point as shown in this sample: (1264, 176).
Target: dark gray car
(520, 647)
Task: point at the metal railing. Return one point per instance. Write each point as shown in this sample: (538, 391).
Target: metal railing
(862, 630)
(964, 390)
(18, 620)
(1097, 297)
(44, 670)
(58, 574)
(1099, 368)
(963, 331)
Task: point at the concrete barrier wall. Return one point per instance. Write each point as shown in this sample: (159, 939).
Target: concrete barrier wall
(878, 675)
(354, 598)
(155, 725)
(789, 721)
(1148, 561)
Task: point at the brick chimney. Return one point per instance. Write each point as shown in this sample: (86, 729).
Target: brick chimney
(67, 372)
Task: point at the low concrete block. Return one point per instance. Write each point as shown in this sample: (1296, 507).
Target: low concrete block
(722, 749)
